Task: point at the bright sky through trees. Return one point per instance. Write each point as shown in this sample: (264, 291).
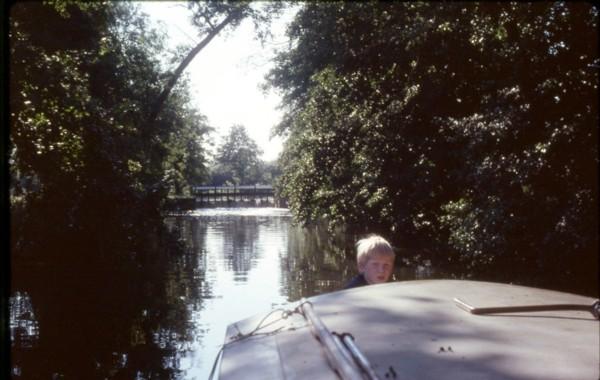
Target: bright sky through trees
(226, 75)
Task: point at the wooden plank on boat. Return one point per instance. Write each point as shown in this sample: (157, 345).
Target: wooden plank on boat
(414, 330)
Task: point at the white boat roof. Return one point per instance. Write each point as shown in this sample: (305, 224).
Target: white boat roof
(414, 330)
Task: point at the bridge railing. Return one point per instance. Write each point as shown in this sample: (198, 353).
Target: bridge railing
(203, 196)
(238, 190)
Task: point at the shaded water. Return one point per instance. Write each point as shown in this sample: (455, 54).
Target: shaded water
(171, 321)
(254, 260)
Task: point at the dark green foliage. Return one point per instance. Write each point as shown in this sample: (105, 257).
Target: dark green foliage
(88, 176)
(207, 14)
(79, 105)
(186, 161)
(211, 18)
(270, 172)
(465, 132)
(238, 159)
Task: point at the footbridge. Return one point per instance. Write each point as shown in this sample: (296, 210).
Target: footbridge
(255, 193)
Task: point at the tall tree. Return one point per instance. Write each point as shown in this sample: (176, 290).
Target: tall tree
(467, 132)
(85, 164)
(186, 163)
(238, 157)
(211, 18)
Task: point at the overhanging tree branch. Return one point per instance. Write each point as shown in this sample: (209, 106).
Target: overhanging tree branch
(171, 83)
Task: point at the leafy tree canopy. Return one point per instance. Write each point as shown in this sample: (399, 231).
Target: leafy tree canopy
(88, 175)
(238, 159)
(466, 132)
(210, 18)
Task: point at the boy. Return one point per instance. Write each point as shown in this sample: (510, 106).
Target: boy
(375, 259)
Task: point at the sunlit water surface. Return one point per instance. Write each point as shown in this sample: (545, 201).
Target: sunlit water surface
(235, 263)
(242, 250)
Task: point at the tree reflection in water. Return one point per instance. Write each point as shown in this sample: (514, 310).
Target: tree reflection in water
(319, 261)
(101, 303)
(240, 252)
(157, 307)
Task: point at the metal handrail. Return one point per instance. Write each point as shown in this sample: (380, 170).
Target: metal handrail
(339, 360)
(359, 357)
(593, 308)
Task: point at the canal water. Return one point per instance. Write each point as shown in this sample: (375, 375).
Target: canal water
(231, 263)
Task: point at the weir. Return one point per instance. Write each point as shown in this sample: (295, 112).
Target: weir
(224, 196)
(233, 193)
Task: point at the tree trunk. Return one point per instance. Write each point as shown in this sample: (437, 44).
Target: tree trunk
(171, 83)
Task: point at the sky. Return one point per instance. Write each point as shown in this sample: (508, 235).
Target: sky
(225, 76)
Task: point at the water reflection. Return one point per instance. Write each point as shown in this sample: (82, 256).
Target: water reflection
(320, 261)
(254, 260)
(78, 312)
(24, 327)
(164, 314)
(315, 264)
(241, 251)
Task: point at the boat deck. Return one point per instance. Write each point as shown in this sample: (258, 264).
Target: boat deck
(414, 330)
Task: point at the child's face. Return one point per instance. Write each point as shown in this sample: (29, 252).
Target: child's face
(378, 268)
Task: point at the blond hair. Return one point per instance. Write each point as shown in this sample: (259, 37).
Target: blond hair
(371, 245)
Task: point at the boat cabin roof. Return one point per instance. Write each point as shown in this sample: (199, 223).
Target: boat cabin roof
(415, 330)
